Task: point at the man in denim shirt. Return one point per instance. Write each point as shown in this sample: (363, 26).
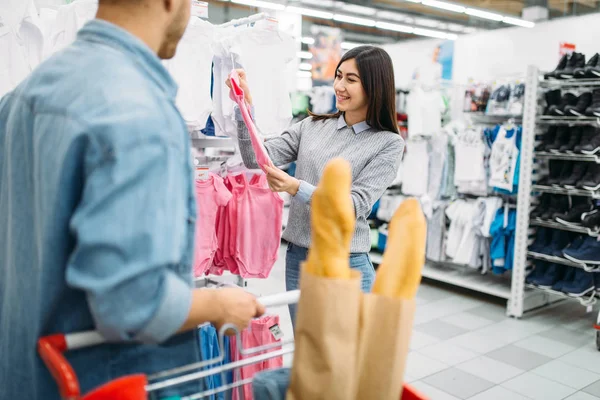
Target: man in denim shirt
(97, 208)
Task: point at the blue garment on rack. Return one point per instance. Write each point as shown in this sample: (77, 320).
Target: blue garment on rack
(503, 240)
(271, 384)
(490, 136)
(209, 348)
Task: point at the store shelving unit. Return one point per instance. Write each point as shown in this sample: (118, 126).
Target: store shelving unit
(531, 166)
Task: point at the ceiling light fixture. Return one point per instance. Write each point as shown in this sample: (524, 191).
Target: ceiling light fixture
(484, 14)
(354, 20)
(350, 45)
(444, 6)
(304, 55)
(435, 34)
(395, 27)
(309, 12)
(320, 3)
(518, 22)
(260, 4)
(356, 9)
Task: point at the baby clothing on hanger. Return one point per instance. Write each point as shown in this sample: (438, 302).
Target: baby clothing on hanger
(211, 195)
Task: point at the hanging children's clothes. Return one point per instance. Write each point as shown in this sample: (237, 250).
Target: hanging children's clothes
(258, 334)
(237, 94)
(191, 68)
(437, 161)
(211, 195)
(502, 231)
(470, 170)
(436, 232)
(505, 159)
(415, 168)
(462, 245)
(210, 350)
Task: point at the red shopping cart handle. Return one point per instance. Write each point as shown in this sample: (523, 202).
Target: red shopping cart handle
(51, 349)
(410, 393)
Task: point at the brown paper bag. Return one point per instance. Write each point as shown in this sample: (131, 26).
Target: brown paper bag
(385, 329)
(326, 339)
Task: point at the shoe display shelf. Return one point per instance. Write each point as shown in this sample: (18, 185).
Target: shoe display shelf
(525, 296)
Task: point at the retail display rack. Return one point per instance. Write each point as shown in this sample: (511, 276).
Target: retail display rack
(522, 297)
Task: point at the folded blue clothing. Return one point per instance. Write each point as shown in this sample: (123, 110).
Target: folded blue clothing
(271, 384)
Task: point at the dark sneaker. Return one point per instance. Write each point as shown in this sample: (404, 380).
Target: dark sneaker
(563, 135)
(582, 284)
(574, 139)
(548, 138)
(595, 103)
(590, 178)
(554, 168)
(593, 146)
(565, 171)
(579, 171)
(562, 64)
(542, 239)
(583, 102)
(542, 206)
(577, 60)
(568, 99)
(553, 98)
(587, 253)
(554, 273)
(581, 73)
(538, 272)
(573, 216)
(593, 71)
(560, 240)
(586, 137)
(591, 220)
(567, 279)
(558, 205)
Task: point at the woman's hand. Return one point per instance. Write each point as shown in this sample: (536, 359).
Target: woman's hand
(280, 181)
(243, 84)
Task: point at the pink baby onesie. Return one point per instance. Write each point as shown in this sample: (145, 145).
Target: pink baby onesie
(219, 264)
(211, 194)
(259, 222)
(237, 94)
(258, 334)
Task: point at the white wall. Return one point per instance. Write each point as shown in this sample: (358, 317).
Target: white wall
(487, 55)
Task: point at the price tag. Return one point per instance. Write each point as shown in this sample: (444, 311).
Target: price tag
(271, 24)
(276, 331)
(201, 173)
(200, 9)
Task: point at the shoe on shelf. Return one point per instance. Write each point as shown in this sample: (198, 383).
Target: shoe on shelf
(582, 284)
(542, 240)
(590, 178)
(547, 138)
(563, 134)
(568, 99)
(587, 134)
(587, 253)
(565, 172)
(582, 73)
(562, 64)
(558, 205)
(554, 273)
(553, 98)
(540, 268)
(567, 279)
(542, 206)
(573, 216)
(594, 109)
(577, 60)
(574, 139)
(579, 171)
(583, 102)
(560, 240)
(591, 220)
(593, 146)
(593, 71)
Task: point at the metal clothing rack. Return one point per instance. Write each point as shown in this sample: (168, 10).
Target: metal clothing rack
(51, 349)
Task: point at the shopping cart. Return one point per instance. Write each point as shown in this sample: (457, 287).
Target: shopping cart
(138, 386)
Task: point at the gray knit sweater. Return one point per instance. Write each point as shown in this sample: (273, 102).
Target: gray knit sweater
(374, 156)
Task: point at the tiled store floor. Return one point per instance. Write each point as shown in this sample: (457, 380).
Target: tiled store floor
(463, 347)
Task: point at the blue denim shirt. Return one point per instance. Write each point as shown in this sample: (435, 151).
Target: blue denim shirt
(97, 213)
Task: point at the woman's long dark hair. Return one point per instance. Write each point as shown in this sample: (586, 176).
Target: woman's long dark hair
(377, 77)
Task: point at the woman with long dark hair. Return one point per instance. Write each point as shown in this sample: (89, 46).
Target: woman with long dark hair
(363, 131)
